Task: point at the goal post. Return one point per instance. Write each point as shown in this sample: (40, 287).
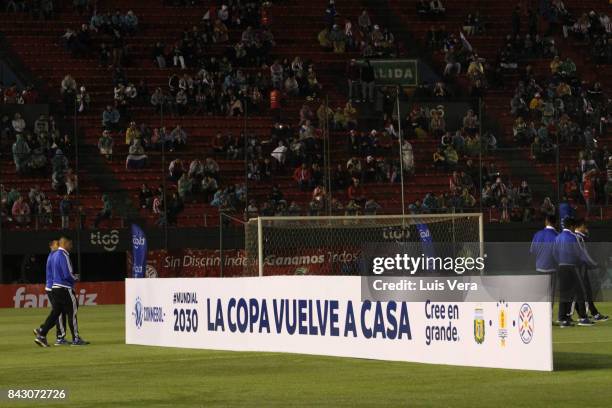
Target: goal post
(331, 244)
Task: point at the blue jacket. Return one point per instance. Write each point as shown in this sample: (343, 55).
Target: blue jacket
(49, 272)
(567, 251)
(62, 270)
(589, 262)
(542, 247)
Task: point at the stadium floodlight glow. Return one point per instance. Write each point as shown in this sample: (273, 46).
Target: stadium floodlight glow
(326, 244)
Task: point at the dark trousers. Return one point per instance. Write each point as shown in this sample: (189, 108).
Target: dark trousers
(61, 321)
(570, 290)
(588, 291)
(64, 301)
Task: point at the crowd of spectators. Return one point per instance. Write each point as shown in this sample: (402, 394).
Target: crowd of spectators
(13, 94)
(369, 39)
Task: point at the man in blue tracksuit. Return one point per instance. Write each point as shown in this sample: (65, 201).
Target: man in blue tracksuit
(61, 322)
(582, 232)
(569, 256)
(542, 246)
(64, 298)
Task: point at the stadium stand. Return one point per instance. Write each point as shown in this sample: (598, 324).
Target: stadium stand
(126, 72)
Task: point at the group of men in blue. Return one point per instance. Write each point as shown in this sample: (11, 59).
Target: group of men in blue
(59, 286)
(564, 255)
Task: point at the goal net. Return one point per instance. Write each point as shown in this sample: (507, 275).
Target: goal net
(332, 245)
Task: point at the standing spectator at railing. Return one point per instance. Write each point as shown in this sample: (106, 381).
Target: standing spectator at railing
(353, 80)
(367, 82)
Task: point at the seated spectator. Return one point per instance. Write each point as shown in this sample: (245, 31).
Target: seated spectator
(280, 154)
(178, 137)
(105, 145)
(41, 125)
(407, 157)
(303, 177)
(136, 159)
(196, 171)
(437, 8)
(131, 22)
(18, 124)
(70, 178)
(452, 62)
(423, 8)
(467, 200)
(547, 208)
(132, 133)
(524, 194)
(451, 157)
(21, 212)
(21, 154)
(356, 193)
(209, 186)
(110, 118)
(567, 69)
(371, 207)
(83, 100)
(185, 186)
(211, 168)
(437, 124)
(470, 122)
(439, 160)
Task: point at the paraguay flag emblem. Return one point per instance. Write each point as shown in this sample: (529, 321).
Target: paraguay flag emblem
(526, 323)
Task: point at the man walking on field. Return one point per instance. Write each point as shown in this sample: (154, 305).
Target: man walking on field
(61, 321)
(63, 295)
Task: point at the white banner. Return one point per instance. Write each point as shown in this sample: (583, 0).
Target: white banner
(324, 315)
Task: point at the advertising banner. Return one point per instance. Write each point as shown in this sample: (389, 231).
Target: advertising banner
(139, 252)
(325, 315)
(400, 72)
(87, 293)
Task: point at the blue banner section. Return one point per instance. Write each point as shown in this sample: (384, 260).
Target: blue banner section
(426, 240)
(139, 252)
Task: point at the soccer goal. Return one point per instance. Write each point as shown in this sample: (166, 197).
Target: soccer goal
(331, 245)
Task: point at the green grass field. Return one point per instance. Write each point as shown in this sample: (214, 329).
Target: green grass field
(109, 373)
